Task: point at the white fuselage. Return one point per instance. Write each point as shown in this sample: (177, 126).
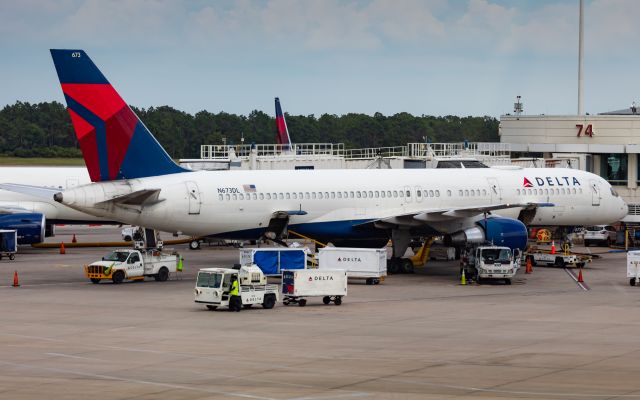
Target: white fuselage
(240, 203)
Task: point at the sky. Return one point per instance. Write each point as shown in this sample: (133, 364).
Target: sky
(424, 57)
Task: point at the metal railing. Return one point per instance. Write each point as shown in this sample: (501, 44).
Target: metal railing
(225, 152)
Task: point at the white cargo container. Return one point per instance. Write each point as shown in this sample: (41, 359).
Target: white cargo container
(331, 285)
(633, 267)
(370, 264)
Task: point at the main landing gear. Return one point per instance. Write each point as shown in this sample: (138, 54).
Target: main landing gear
(397, 265)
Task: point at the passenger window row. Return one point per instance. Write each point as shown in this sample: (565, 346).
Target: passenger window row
(549, 191)
(353, 194)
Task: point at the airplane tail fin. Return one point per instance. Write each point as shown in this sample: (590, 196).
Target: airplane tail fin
(114, 142)
(282, 137)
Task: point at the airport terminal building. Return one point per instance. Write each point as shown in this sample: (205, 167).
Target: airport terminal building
(606, 144)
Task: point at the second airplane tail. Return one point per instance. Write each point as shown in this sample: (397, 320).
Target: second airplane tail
(114, 142)
(283, 133)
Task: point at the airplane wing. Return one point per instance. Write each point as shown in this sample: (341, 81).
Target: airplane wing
(12, 209)
(36, 191)
(419, 218)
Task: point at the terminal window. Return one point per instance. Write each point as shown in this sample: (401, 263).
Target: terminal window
(613, 168)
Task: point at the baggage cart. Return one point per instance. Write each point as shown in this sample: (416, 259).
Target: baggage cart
(368, 264)
(272, 261)
(8, 243)
(300, 284)
(633, 267)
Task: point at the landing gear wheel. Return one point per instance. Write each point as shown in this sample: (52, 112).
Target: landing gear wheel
(326, 299)
(632, 282)
(118, 277)
(337, 301)
(210, 307)
(406, 266)
(95, 280)
(163, 275)
(302, 302)
(194, 244)
(269, 301)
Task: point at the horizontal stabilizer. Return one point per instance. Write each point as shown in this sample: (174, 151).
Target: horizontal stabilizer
(44, 193)
(138, 198)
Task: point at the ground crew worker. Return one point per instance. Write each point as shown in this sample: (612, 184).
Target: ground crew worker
(234, 295)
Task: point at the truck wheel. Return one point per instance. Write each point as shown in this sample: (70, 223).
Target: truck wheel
(163, 274)
(632, 281)
(127, 238)
(95, 280)
(269, 301)
(376, 281)
(194, 244)
(559, 262)
(326, 299)
(118, 277)
(302, 302)
(507, 281)
(337, 301)
(210, 307)
(406, 266)
(369, 281)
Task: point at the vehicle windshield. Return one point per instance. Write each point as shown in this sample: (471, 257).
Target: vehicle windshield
(120, 256)
(496, 255)
(206, 279)
(595, 228)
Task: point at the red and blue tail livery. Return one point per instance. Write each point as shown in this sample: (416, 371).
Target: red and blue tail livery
(283, 133)
(114, 142)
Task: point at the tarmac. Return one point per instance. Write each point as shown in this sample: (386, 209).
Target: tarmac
(420, 336)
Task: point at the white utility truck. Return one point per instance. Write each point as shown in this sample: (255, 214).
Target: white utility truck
(132, 264)
(298, 284)
(491, 262)
(633, 267)
(557, 260)
(213, 285)
(368, 264)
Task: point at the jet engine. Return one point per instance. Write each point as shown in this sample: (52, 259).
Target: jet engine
(497, 230)
(30, 227)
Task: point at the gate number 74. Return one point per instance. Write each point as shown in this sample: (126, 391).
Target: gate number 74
(588, 131)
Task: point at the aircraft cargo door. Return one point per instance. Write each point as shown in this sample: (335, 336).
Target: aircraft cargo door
(595, 193)
(193, 193)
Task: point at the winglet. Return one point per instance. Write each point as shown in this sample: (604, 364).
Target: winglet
(114, 142)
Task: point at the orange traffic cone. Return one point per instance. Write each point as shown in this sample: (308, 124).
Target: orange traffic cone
(580, 276)
(62, 250)
(553, 247)
(74, 240)
(16, 283)
(529, 268)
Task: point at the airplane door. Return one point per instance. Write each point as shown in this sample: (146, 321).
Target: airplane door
(494, 190)
(193, 193)
(418, 190)
(595, 193)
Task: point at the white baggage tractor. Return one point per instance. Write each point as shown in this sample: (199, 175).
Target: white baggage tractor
(369, 264)
(331, 285)
(633, 267)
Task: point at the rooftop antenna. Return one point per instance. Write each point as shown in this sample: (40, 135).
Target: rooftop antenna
(580, 57)
(518, 107)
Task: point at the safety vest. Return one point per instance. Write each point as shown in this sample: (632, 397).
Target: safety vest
(234, 288)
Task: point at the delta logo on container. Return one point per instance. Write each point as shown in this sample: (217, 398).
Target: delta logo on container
(552, 181)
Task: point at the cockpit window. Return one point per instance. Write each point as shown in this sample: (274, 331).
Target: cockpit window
(613, 192)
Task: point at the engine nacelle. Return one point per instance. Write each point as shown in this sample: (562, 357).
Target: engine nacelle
(497, 230)
(30, 227)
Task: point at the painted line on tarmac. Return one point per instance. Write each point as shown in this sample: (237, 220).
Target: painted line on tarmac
(72, 356)
(136, 381)
(44, 284)
(581, 285)
(330, 397)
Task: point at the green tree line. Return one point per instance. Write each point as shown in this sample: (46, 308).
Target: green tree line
(45, 130)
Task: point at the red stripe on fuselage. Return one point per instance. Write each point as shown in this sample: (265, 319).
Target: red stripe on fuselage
(86, 135)
(100, 99)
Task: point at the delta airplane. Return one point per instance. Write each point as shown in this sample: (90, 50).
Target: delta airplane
(136, 182)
